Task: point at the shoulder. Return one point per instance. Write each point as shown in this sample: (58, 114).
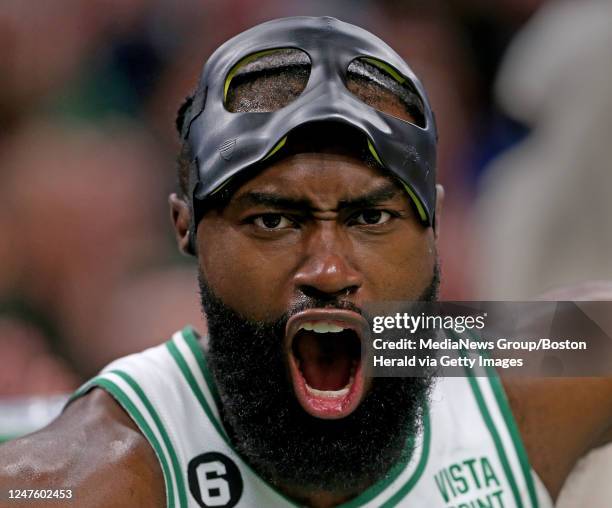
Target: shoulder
(92, 448)
(560, 420)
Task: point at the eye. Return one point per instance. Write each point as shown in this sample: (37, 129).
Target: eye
(272, 221)
(371, 217)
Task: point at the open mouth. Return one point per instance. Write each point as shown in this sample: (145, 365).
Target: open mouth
(324, 350)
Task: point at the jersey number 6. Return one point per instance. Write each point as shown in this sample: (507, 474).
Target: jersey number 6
(214, 480)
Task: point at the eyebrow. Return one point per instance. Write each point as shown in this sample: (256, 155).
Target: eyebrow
(373, 198)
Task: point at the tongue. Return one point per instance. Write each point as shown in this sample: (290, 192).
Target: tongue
(325, 360)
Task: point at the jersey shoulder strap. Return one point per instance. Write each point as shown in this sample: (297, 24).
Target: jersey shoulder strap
(497, 415)
(168, 392)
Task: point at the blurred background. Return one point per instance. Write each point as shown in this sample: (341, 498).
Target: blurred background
(88, 95)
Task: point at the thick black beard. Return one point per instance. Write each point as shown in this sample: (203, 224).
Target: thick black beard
(273, 433)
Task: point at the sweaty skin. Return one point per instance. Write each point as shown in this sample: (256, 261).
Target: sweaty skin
(319, 246)
(260, 257)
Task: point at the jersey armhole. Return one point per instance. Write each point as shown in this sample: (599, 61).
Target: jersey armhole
(492, 379)
(530, 474)
(149, 426)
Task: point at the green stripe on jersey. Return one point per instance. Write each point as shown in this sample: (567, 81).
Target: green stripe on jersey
(195, 388)
(191, 340)
(162, 430)
(379, 487)
(495, 435)
(504, 406)
(418, 472)
(81, 390)
(136, 415)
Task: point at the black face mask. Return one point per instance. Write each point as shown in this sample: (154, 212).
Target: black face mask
(269, 428)
(224, 143)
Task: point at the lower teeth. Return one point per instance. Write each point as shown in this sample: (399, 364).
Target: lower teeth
(332, 394)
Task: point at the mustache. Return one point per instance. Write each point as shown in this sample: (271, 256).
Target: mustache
(212, 303)
(308, 303)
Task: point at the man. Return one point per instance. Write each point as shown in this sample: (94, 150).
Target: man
(307, 191)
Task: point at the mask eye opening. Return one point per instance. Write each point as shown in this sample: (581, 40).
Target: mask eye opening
(382, 87)
(266, 81)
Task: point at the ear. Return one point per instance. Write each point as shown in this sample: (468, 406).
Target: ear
(439, 205)
(181, 220)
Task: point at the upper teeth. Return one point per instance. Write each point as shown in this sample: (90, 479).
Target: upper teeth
(321, 327)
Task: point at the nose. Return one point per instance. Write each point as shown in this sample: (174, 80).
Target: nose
(328, 270)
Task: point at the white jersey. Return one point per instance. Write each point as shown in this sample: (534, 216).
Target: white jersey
(468, 455)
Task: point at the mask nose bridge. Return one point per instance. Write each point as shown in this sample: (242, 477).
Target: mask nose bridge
(327, 87)
(332, 100)
(325, 69)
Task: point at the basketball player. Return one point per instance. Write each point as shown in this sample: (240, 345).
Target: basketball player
(307, 190)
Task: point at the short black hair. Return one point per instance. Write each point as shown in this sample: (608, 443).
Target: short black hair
(274, 80)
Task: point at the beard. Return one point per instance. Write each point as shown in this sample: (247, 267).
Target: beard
(272, 432)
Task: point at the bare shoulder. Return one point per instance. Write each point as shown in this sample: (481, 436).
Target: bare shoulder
(560, 420)
(92, 448)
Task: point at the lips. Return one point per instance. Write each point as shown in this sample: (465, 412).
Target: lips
(324, 350)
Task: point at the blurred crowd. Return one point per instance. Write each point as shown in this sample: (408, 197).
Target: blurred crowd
(88, 94)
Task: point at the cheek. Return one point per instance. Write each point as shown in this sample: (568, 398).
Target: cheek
(251, 278)
(401, 269)
(255, 278)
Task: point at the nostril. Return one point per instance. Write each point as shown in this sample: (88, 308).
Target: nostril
(318, 294)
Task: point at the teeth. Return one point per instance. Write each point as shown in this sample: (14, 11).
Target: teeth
(331, 394)
(321, 327)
